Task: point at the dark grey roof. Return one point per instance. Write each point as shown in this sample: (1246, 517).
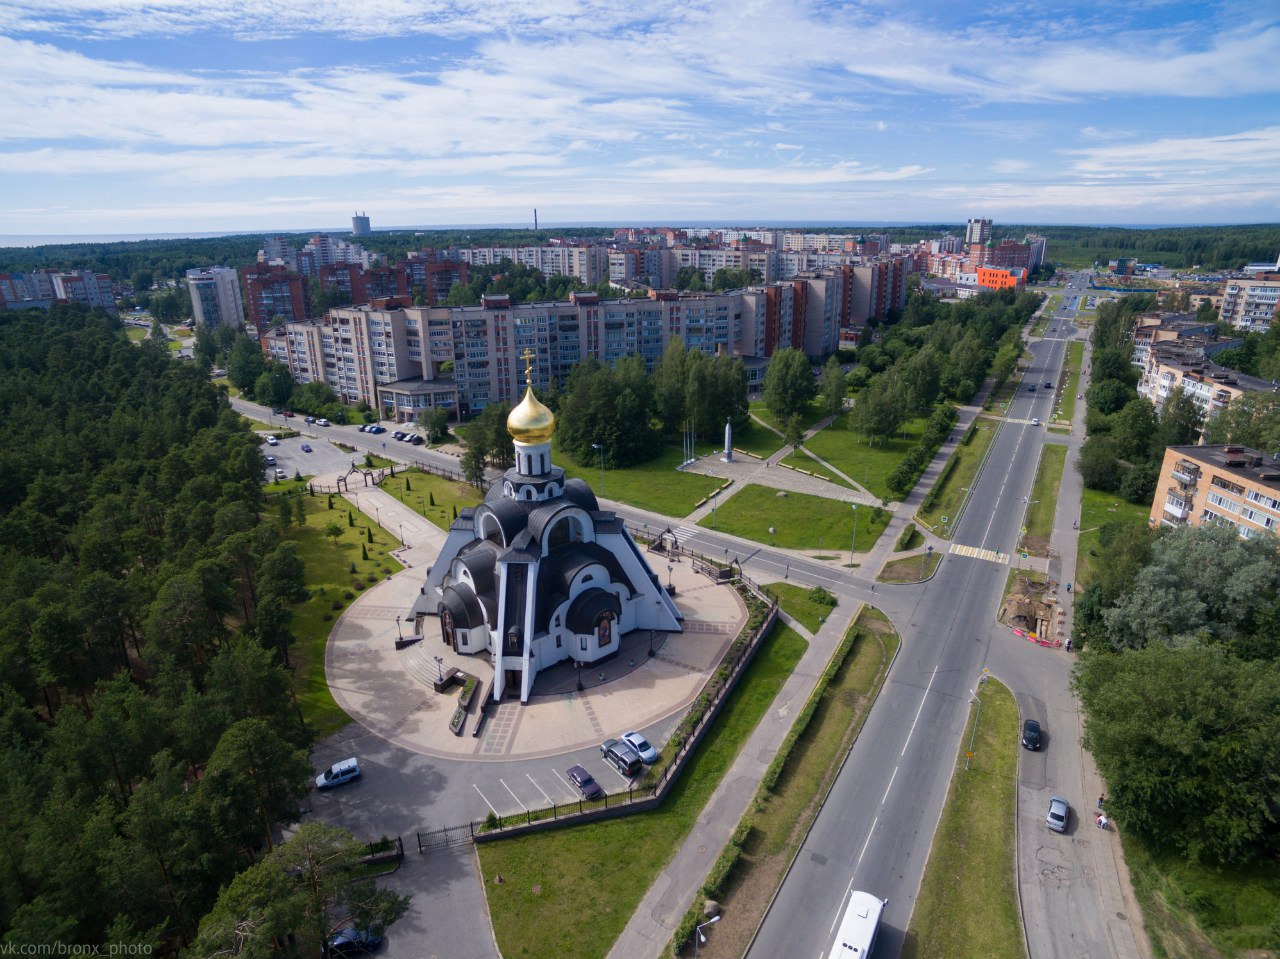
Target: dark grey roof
(577, 491)
(463, 607)
(512, 515)
(586, 610)
(558, 570)
(479, 557)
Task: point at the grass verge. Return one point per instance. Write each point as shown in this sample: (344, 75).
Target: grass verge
(910, 569)
(977, 917)
(333, 586)
(1075, 357)
(958, 479)
(656, 485)
(802, 774)
(436, 498)
(800, 604)
(1044, 499)
(808, 416)
(1194, 911)
(849, 452)
(801, 521)
(1098, 510)
(552, 880)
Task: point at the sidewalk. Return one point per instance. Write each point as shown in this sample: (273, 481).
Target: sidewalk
(678, 886)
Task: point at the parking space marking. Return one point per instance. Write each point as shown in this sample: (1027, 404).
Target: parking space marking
(625, 779)
(540, 789)
(486, 802)
(513, 795)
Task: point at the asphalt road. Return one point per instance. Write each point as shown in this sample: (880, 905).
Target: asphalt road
(876, 828)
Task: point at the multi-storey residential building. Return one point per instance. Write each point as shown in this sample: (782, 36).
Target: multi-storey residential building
(1251, 305)
(1039, 247)
(360, 225)
(1225, 485)
(590, 264)
(215, 297)
(977, 232)
(42, 288)
(1153, 329)
(1182, 366)
(432, 277)
(273, 294)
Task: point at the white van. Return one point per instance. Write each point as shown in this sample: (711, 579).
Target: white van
(339, 773)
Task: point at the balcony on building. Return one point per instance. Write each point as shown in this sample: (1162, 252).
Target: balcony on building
(1186, 473)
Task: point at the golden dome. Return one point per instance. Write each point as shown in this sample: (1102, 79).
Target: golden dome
(531, 422)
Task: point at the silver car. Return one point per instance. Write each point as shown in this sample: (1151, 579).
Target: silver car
(1059, 814)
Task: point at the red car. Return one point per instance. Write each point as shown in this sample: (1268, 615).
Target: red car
(287, 413)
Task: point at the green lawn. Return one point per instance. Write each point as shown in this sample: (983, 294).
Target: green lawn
(330, 579)
(756, 439)
(1044, 499)
(968, 905)
(1097, 510)
(552, 880)
(136, 333)
(801, 521)
(808, 416)
(910, 569)
(1192, 909)
(1075, 357)
(798, 603)
(435, 497)
(867, 465)
(656, 485)
(959, 479)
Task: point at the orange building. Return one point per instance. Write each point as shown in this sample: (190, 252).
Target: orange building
(994, 278)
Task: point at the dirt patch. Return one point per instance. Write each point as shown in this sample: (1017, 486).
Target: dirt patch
(1024, 603)
(1036, 545)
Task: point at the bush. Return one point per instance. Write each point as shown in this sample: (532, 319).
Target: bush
(337, 604)
(821, 596)
(348, 595)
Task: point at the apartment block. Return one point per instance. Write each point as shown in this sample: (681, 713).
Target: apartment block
(42, 288)
(1183, 366)
(273, 294)
(590, 264)
(1154, 329)
(977, 232)
(432, 278)
(1225, 485)
(215, 297)
(1251, 305)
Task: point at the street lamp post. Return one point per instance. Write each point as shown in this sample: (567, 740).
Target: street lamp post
(700, 937)
(597, 446)
(398, 631)
(853, 543)
(439, 668)
(377, 511)
(402, 534)
(924, 559)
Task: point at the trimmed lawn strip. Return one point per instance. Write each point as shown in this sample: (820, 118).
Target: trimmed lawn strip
(802, 521)
(656, 485)
(959, 478)
(968, 906)
(910, 569)
(801, 460)
(602, 870)
(1075, 358)
(1044, 499)
(1097, 510)
(136, 333)
(763, 442)
(329, 578)
(427, 488)
(798, 603)
(805, 767)
(848, 452)
(1191, 911)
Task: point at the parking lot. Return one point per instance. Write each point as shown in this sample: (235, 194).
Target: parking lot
(323, 458)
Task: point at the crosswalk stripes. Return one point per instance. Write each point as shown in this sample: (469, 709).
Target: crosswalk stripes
(686, 532)
(990, 555)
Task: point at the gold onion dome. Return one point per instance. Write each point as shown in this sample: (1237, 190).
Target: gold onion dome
(531, 422)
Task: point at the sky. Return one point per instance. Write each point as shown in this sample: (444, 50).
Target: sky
(149, 116)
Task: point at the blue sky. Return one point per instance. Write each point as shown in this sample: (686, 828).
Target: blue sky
(134, 116)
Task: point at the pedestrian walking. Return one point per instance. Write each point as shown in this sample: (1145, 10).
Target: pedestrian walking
(1101, 800)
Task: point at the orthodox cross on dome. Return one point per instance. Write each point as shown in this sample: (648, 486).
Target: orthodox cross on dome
(527, 356)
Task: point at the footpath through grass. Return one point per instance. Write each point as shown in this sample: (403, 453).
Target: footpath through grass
(656, 485)
(968, 905)
(1075, 358)
(333, 587)
(570, 892)
(1044, 499)
(785, 811)
(1098, 510)
(800, 603)
(848, 451)
(958, 479)
(801, 521)
(436, 498)
(1192, 911)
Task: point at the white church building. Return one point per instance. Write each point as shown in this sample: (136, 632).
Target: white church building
(538, 573)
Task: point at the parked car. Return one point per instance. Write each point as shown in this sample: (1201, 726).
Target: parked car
(322, 422)
(287, 414)
(1059, 814)
(280, 474)
(306, 447)
(646, 752)
(277, 410)
(621, 757)
(1031, 734)
(416, 440)
(589, 788)
(378, 429)
(311, 419)
(272, 441)
(271, 461)
(343, 771)
(354, 942)
(397, 435)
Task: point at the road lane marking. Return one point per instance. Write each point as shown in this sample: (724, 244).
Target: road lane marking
(911, 732)
(867, 843)
(890, 786)
(513, 795)
(486, 802)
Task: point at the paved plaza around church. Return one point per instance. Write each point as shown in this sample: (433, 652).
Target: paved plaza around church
(390, 693)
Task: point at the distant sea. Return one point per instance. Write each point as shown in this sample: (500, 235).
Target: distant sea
(26, 239)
